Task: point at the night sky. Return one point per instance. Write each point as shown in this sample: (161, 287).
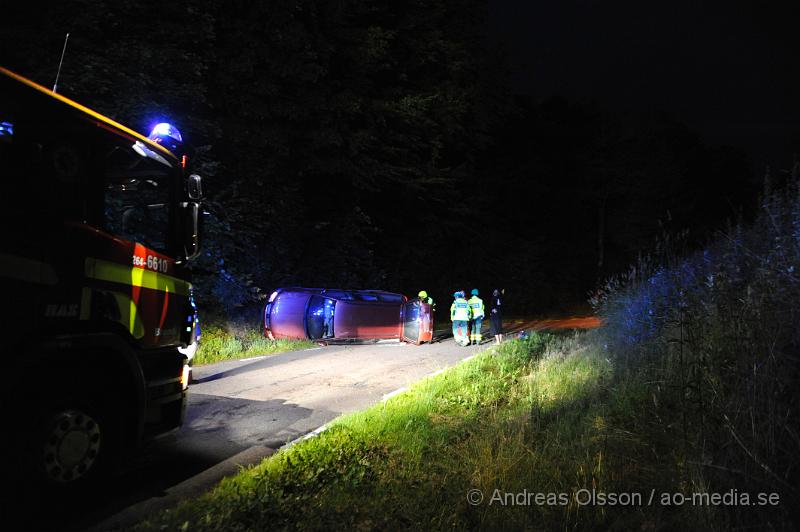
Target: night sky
(727, 68)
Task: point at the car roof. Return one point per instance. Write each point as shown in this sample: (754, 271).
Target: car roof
(343, 294)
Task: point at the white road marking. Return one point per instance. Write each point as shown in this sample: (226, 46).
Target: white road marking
(314, 433)
(253, 358)
(392, 394)
(265, 356)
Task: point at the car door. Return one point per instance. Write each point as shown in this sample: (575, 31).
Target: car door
(417, 322)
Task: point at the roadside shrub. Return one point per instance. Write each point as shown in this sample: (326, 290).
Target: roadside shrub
(716, 334)
(229, 342)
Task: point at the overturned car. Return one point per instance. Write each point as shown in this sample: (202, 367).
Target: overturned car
(331, 315)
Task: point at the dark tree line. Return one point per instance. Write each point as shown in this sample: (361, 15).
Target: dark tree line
(379, 145)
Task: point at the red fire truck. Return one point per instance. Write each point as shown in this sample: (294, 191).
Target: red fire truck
(97, 223)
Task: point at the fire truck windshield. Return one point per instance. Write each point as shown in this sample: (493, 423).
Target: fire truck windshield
(137, 199)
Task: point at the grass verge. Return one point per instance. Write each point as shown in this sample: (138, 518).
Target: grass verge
(541, 427)
(220, 343)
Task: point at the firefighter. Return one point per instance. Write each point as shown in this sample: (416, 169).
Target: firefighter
(478, 311)
(460, 315)
(423, 298)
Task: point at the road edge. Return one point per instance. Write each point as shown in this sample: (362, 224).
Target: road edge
(191, 487)
(206, 480)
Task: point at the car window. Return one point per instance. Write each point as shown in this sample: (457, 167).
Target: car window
(391, 298)
(337, 294)
(267, 314)
(319, 319)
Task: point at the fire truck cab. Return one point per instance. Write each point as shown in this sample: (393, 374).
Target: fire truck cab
(97, 225)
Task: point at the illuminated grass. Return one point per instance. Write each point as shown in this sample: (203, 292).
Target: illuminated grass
(544, 415)
(219, 343)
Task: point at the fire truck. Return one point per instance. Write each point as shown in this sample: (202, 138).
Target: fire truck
(98, 224)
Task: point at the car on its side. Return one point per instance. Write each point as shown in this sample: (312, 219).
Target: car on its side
(330, 315)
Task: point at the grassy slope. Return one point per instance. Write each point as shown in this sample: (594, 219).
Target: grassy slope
(544, 415)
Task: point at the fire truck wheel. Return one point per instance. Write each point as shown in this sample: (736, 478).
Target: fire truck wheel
(70, 445)
(75, 440)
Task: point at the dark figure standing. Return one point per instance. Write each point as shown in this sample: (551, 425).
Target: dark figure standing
(496, 315)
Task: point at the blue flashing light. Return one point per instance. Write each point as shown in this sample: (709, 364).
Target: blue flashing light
(167, 135)
(165, 129)
(6, 128)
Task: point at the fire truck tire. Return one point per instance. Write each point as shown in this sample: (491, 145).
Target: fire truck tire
(75, 438)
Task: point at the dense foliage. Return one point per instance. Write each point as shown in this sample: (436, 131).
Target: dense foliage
(378, 145)
(716, 335)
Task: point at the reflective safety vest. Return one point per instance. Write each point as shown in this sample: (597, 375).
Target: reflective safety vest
(460, 311)
(477, 306)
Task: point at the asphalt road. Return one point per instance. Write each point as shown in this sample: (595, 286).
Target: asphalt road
(241, 411)
(255, 406)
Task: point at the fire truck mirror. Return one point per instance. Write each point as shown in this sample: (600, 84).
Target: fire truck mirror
(194, 187)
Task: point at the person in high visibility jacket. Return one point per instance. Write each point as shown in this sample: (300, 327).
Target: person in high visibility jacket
(460, 314)
(427, 317)
(476, 322)
(424, 298)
